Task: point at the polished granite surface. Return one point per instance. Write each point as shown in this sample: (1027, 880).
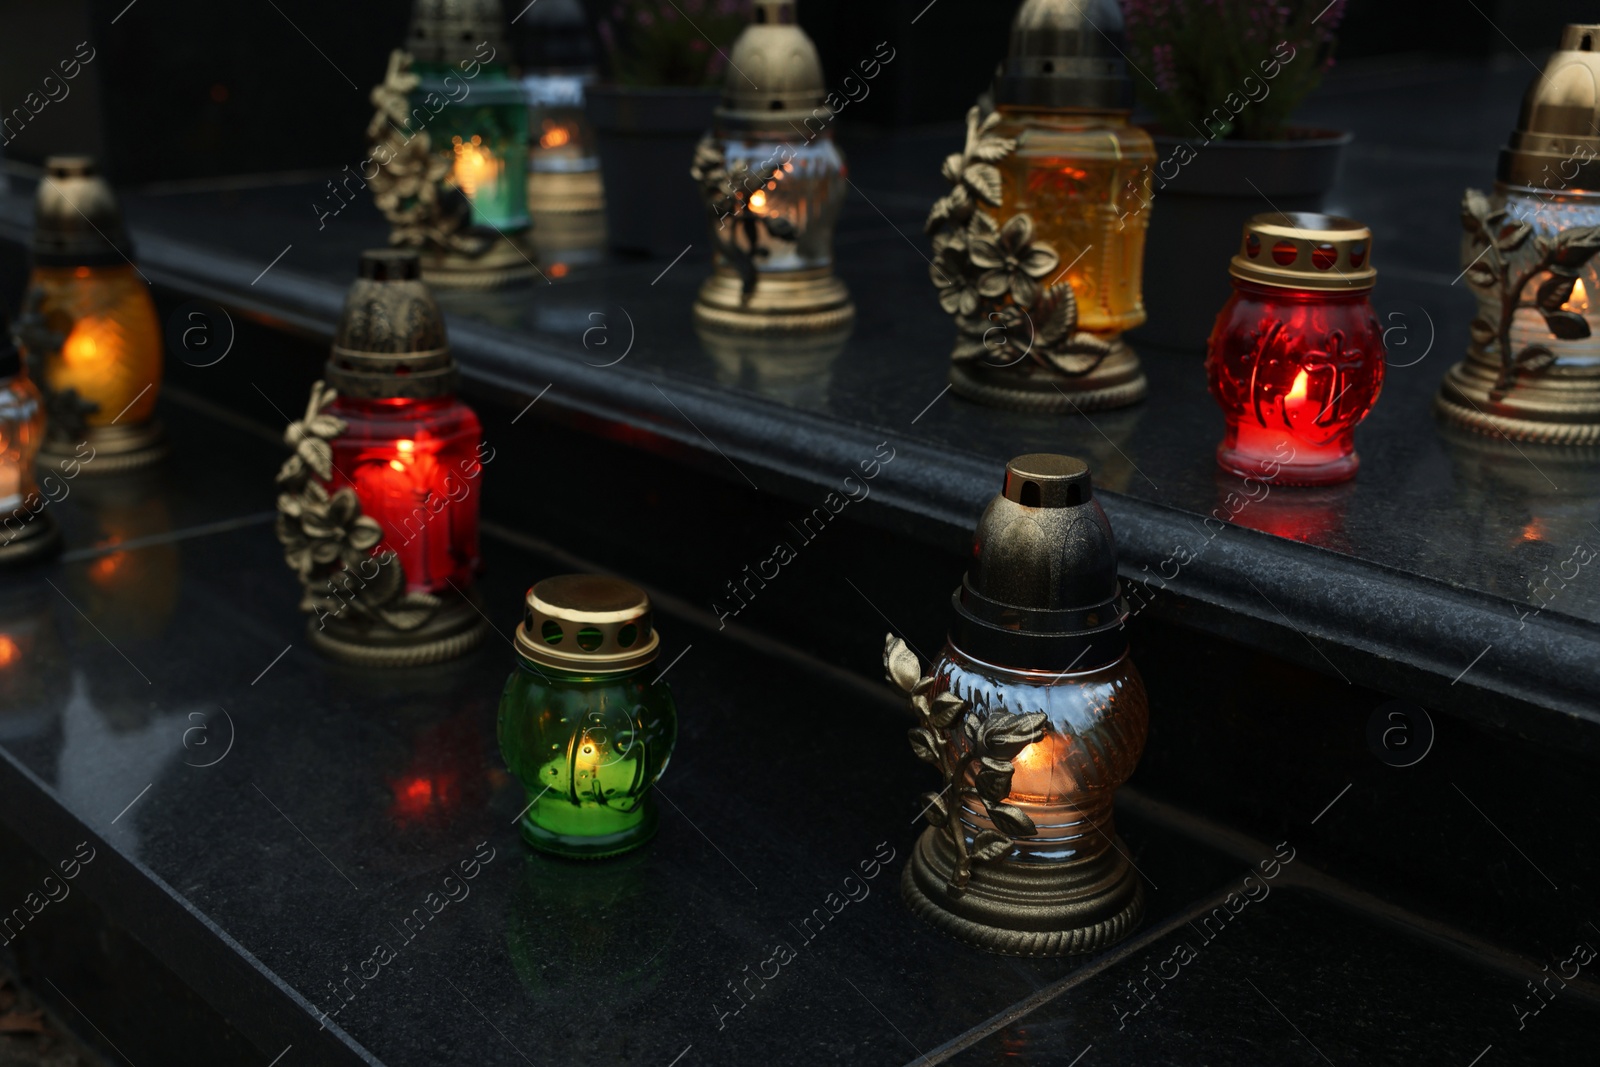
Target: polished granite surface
(168, 706)
(1441, 552)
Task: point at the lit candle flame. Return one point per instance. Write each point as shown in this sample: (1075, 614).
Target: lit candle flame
(8, 650)
(1579, 300)
(758, 201)
(475, 167)
(555, 135)
(1297, 392)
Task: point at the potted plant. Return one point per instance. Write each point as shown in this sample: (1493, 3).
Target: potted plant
(1222, 79)
(665, 60)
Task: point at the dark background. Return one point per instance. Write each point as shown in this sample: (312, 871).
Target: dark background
(190, 89)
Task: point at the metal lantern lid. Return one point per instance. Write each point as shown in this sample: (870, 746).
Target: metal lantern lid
(1300, 250)
(390, 341)
(1066, 53)
(76, 221)
(553, 35)
(1042, 592)
(774, 72)
(450, 31)
(1556, 145)
(588, 624)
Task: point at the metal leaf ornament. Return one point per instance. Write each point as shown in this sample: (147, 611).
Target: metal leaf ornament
(326, 539)
(990, 276)
(974, 752)
(726, 194)
(1501, 279)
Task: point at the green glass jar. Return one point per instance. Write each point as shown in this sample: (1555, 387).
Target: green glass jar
(475, 113)
(584, 723)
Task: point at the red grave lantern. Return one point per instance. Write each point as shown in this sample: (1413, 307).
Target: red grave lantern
(1296, 358)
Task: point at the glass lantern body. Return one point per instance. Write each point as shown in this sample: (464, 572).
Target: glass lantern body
(1083, 177)
(22, 426)
(560, 140)
(111, 354)
(1294, 371)
(588, 748)
(482, 135)
(1096, 726)
(414, 465)
(808, 191)
(1550, 214)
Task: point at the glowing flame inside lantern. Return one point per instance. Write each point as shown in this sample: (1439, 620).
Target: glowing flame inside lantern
(1579, 300)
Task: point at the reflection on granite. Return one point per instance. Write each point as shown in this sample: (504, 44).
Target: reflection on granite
(1296, 979)
(1404, 513)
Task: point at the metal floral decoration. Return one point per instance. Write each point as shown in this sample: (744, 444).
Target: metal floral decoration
(720, 189)
(329, 542)
(1500, 277)
(973, 752)
(989, 275)
(407, 184)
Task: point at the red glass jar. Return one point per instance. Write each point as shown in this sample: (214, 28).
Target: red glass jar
(1296, 358)
(414, 465)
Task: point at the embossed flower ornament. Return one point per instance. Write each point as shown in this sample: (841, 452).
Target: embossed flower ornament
(309, 438)
(1011, 259)
(325, 528)
(990, 277)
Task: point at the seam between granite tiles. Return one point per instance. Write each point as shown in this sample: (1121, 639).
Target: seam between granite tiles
(706, 620)
(1243, 847)
(1038, 999)
(260, 518)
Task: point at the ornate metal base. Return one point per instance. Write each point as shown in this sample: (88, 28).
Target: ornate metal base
(26, 537)
(565, 192)
(1556, 406)
(1117, 382)
(117, 449)
(1024, 909)
(791, 302)
(508, 260)
(456, 629)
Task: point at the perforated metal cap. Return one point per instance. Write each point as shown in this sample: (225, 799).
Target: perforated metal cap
(1042, 591)
(390, 340)
(1299, 250)
(1556, 145)
(450, 31)
(774, 72)
(76, 221)
(1066, 53)
(588, 623)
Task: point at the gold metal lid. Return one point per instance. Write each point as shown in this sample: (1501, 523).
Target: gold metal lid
(1066, 53)
(390, 340)
(1042, 592)
(587, 623)
(76, 221)
(450, 31)
(774, 72)
(1299, 250)
(1556, 145)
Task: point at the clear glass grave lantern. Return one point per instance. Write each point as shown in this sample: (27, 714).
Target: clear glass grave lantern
(379, 510)
(1296, 358)
(557, 57)
(27, 529)
(460, 57)
(774, 182)
(1532, 371)
(89, 327)
(585, 722)
(1034, 714)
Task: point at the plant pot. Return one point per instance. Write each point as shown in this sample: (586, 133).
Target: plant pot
(1197, 218)
(647, 139)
